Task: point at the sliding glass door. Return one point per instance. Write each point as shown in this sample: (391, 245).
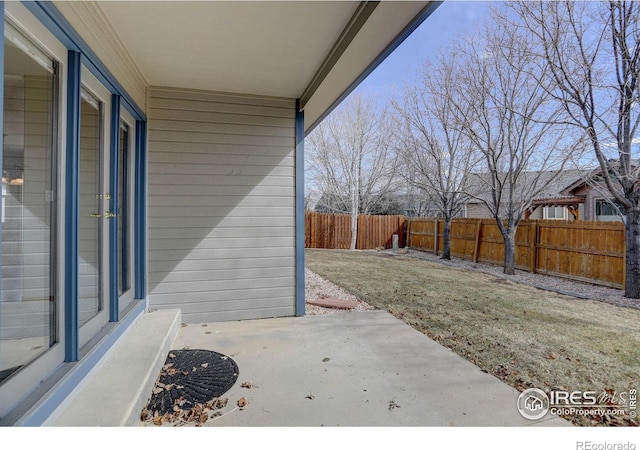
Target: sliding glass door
(28, 302)
(93, 212)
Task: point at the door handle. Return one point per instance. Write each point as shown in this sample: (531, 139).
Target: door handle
(94, 215)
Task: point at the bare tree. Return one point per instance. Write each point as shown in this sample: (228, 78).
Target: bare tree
(512, 121)
(351, 158)
(437, 155)
(593, 52)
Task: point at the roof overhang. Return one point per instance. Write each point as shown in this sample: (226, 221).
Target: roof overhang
(315, 51)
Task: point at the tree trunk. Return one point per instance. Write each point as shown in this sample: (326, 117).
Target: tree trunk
(509, 237)
(632, 269)
(446, 239)
(354, 231)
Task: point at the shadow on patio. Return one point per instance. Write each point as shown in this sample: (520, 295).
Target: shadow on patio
(354, 369)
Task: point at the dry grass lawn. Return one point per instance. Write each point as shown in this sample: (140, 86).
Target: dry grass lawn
(524, 336)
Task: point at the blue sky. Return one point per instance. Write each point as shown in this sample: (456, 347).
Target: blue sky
(448, 20)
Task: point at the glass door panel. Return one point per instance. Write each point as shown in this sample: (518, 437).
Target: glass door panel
(93, 201)
(124, 283)
(124, 214)
(27, 286)
(90, 210)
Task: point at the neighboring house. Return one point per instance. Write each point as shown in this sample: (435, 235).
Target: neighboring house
(420, 205)
(599, 204)
(153, 159)
(552, 203)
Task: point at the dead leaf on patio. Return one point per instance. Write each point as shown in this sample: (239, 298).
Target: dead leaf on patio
(248, 385)
(205, 365)
(310, 396)
(393, 405)
(183, 325)
(242, 403)
(551, 355)
(172, 355)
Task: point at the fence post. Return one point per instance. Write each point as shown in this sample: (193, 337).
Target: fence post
(435, 236)
(624, 261)
(533, 243)
(476, 248)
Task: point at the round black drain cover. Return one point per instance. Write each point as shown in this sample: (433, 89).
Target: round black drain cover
(192, 377)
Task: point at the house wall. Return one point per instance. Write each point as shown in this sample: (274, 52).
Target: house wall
(588, 205)
(478, 211)
(221, 205)
(592, 194)
(537, 214)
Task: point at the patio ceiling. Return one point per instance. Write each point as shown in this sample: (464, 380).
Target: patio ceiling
(310, 50)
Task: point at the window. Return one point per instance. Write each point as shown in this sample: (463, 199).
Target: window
(608, 210)
(554, 213)
(94, 216)
(90, 228)
(28, 302)
(124, 211)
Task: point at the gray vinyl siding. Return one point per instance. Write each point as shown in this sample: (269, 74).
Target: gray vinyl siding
(221, 205)
(478, 211)
(538, 214)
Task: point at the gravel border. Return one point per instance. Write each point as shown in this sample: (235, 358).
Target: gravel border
(317, 287)
(559, 285)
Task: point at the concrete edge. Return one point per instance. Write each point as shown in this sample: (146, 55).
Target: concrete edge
(142, 395)
(134, 361)
(62, 392)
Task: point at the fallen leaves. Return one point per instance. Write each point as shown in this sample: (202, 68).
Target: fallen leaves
(242, 403)
(184, 413)
(248, 385)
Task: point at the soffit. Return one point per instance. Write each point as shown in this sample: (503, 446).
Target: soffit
(270, 48)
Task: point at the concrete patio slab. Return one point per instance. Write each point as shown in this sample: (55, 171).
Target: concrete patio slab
(352, 369)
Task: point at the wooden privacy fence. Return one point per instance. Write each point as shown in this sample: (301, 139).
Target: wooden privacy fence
(334, 231)
(585, 251)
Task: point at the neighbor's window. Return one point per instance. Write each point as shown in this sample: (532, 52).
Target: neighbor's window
(607, 211)
(555, 213)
